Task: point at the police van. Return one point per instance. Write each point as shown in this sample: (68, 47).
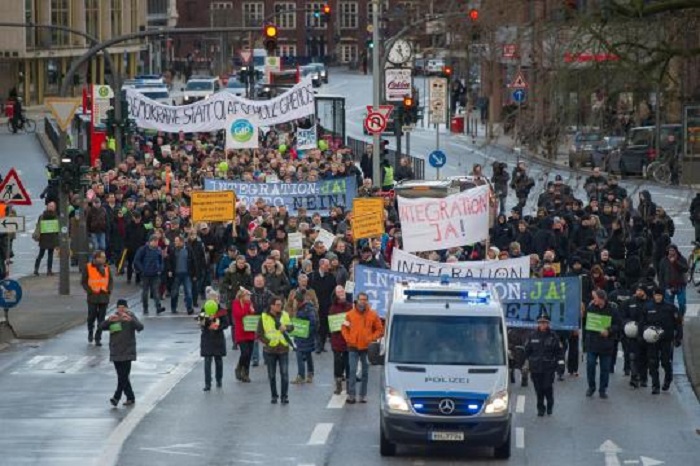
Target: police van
(445, 374)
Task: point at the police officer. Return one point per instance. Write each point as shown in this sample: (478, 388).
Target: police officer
(661, 317)
(635, 352)
(544, 351)
(619, 296)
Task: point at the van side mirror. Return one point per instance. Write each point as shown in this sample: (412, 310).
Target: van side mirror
(375, 353)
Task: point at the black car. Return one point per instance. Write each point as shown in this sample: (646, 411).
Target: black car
(639, 149)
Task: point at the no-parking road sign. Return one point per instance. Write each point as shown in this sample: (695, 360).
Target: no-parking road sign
(376, 119)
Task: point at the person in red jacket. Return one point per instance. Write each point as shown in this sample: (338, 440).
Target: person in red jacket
(240, 308)
(341, 365)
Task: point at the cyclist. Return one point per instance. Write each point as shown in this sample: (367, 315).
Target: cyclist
(17, 117)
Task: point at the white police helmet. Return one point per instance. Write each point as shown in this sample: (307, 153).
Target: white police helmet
(631, 329)
(652, 334)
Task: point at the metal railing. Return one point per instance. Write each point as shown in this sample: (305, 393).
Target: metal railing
(359, 147)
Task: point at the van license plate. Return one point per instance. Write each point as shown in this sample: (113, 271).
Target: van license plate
(447, 436)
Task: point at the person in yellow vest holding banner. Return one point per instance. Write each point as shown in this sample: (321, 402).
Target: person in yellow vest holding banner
(97, 283)
(46, 234)
(273, 332)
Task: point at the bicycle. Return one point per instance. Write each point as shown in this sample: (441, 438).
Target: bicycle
(694, 261)
(26, 124)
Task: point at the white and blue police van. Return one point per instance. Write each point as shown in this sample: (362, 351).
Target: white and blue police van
(445, 375)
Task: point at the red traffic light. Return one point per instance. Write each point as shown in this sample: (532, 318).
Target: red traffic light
(271, 31)
(326, 9)
(447, 70)
(408, 102)
(474, 14)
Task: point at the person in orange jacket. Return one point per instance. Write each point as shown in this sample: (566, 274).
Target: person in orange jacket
(362, 326)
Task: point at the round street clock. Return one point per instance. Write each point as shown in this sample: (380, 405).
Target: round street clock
(400, 53)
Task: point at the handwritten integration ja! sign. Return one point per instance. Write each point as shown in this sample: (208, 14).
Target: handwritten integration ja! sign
(213, 206)
(440, 223)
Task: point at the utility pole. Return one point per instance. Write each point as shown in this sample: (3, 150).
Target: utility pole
(376, 82)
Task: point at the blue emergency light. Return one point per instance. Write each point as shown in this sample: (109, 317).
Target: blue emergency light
(472, 296)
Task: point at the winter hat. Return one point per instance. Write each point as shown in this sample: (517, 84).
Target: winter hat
(122, 302)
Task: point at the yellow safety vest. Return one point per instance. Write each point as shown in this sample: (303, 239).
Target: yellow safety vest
(97, 282)
(274, 336)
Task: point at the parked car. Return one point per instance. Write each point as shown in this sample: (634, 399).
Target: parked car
(199, 88)
(311, 70)
(583, 146)
(322, 71)
(601, 154)
(235, 87)
(639, 149)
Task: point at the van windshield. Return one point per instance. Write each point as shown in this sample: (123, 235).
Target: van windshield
(640, 137)
(446, 340)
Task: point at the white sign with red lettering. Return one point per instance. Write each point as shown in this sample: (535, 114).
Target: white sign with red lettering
(429, 224)
(398, 83)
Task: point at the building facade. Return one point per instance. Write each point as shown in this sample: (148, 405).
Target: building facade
(34, 60)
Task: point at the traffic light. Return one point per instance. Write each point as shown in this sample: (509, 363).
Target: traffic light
(409, 114)
(447, 71)
(270, 41)
(474, 15)
(369, 43)
(326, 13)
(408, 102)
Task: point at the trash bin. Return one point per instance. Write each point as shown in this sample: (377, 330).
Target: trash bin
(457, 124)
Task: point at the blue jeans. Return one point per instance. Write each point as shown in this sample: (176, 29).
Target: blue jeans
(99, 241)
(184, 280)
(605, 362)
(355, 357)
(680, 294)
(150, 287)
(305, 360)
(272, 359)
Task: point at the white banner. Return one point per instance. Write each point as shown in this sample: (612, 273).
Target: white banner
(402, 261)
(306, 138)
(241, 133)
(429, 224)
(213, 113)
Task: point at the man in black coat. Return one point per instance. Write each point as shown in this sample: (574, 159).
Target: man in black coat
(136, 236)
(600, 342)
(323, 283)
(631, 313)
(545, 354)
(665, 317)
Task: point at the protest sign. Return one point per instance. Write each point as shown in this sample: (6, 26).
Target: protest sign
(315, 196)
(295, 245)
(301, 328)
(335, 321)
(402, 261)
(440, 223)
(306, 138)
(213, 113)
(326, 237)
(367, 217)
(241, 133)
(597, 322)
(523, 299)
(214, 206)
(250, 323)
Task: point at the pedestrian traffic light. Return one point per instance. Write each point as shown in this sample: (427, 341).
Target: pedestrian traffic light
(270, 40)
(474, 14)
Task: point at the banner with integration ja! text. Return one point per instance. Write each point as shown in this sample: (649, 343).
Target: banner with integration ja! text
(523, 299)
(440, 223)
(401, 261)
(315, 196)
(213, 113)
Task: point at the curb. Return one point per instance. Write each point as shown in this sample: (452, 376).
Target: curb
(689, 358)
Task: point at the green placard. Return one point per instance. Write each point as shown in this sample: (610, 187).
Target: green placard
(597, 322)
(115, 327)
(335, 322)
(301, 328)
(49, 226)
(250, 323)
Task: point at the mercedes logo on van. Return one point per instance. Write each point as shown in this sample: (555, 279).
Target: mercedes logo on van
(446, 406)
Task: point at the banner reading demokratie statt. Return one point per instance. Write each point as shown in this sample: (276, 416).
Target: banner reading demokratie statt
(315, 196)
(213, 113)
(522, 299)
(401, 261)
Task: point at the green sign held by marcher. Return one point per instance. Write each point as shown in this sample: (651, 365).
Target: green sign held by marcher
(597, 322)
(335, 322)
(301, 328)
(49, 226)
(250, 323)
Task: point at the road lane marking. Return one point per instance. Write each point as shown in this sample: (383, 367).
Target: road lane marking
(320, 434)
(519, 437)
(520, 404)
(337, 401)
(112, 447)
(80, 364)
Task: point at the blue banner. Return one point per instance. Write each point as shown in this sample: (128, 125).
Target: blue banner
(318, 196)
(523, 299)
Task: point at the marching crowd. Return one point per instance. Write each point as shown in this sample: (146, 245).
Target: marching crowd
(241, 275)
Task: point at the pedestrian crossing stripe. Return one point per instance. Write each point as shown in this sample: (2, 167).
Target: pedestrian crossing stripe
(12, 190)
(77, 364)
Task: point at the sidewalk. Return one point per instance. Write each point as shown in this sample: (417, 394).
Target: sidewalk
(691, 352)
(43, 313)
